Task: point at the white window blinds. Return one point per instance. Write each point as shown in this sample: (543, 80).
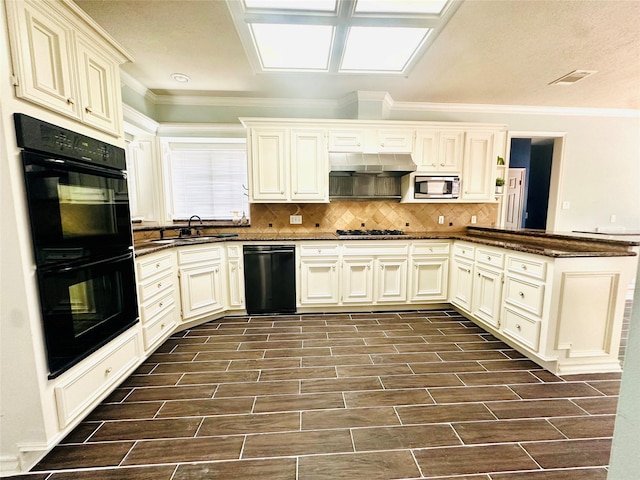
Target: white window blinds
(208, 180)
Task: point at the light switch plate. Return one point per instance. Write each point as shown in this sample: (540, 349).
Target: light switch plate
(295, 219)
(441, 219)
(473, 219)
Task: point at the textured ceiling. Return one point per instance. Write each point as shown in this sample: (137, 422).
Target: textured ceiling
(502, 52)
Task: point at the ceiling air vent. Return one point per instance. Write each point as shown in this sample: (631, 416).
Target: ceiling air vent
(573, 77)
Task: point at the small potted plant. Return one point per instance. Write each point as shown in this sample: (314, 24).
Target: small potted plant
(500, 161)
(499, 184)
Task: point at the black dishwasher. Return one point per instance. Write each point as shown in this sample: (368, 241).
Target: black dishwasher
(270, 279)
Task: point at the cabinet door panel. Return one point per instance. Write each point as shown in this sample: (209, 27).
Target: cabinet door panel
(357, 281)
(99, 89)
(309, 170)
(319, 282)
(201, 290)
(268, 159)
(462, 284)
(429, 279)
(44, 54)
(477, 167)
(236, 284)
(487, 295)
(392, 280)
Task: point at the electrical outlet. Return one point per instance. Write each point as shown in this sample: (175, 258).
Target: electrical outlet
(612, 218)
(566, 205)
(295, 219)
(473, 219)
(441, 219)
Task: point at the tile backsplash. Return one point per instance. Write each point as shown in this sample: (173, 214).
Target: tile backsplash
(328, 217)
(416, 217)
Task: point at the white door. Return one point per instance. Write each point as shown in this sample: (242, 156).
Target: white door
(515, 197)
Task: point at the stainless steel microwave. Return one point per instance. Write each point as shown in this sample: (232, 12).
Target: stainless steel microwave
(432, 186)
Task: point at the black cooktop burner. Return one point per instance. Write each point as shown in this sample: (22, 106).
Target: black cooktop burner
(369, 232)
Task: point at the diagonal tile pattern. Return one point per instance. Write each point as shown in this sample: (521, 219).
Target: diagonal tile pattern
(421, 394)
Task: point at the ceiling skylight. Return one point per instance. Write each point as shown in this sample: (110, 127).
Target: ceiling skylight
(338, 36)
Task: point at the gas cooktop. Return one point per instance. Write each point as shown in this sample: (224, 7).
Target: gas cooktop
(362, 233)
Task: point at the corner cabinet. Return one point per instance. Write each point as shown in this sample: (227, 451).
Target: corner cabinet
(288, 164)
(65, 62)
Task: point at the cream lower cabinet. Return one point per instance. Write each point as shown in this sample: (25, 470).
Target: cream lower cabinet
(202, 281)
(318, 281)
(486, 301)
(235, 277)
(428, 271)
(462, 268)
(158, 298)
(374, 272)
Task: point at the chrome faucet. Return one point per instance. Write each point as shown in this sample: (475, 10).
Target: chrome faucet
(187, 231)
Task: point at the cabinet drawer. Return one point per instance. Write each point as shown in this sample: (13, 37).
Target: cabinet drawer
(522, 329)
(153, 332)
(148, 267)
(234, 251)
(151, 309)
(155, 286)
(198, 254)
(318, 250)
(374, 249)
(530, 267)
(77, 394)
(490, 257)
(464, 251)
(526, 295)
(430, 248)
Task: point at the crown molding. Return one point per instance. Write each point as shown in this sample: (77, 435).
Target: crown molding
(202, 130)
(137, 123)
(514, 109)
(250, 102)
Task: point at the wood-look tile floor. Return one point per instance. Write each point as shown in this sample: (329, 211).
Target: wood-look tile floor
(342, 396)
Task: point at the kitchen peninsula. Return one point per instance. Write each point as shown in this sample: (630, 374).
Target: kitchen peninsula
(557, 298)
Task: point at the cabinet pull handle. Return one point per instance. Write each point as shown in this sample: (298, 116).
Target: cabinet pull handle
(108, 371)
(523, 266)
(160, 285)
(488, 258)
(157, 265)
(71, 101)
(442, 164)
(518, 327)
(160, 305)
(521, 294)
(319, 251)
(88, 109)
(162, 326)
(333, 267)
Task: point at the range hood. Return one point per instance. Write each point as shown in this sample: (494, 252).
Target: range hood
(388, 164)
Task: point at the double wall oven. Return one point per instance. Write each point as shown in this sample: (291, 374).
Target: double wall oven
(81, 230)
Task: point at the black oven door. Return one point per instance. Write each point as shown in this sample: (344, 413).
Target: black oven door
(76, 210)
(84, 306)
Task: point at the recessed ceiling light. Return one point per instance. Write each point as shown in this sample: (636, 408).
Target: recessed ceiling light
(180, 77)
(573, 77)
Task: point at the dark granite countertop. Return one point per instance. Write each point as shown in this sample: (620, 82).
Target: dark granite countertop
(528, 241)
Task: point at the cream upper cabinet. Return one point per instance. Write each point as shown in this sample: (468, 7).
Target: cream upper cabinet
(371, 140)
(309, 165)
(288, 165)
(439, 151)
(268, 162)
(478, 166)
(66, 63)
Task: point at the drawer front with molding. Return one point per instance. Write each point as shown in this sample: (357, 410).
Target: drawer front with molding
(157, 329)
(155, 286)
(198, 254)
(464, 251)
(494, 258)
(527, 266)
(374, 249)
(522, 329)
(151, 309)
(319, 250)
(234, 251)
(77, 394)
(528, 296)
(430, 248)
(148, 267)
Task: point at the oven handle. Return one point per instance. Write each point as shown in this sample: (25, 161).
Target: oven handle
(103, 261)
(70, 165)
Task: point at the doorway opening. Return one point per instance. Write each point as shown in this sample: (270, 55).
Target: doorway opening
(532, 192)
